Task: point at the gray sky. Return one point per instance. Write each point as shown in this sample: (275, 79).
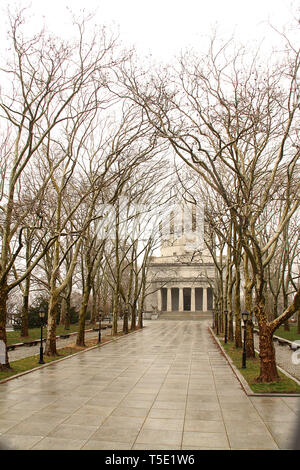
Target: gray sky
(164, 27)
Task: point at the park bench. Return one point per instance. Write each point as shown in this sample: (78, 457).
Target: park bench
(32, 343)
(294, 346)
(12, 347)
(64, 336)
(285, 342)
(281, 341)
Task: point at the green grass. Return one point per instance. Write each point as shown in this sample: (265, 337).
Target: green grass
(285, 385)
(35, 333)
(29, 363)
(291, 335)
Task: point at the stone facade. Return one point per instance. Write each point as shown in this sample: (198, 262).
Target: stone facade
(180, 279)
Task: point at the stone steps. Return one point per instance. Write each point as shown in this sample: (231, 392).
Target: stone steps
(184, 316)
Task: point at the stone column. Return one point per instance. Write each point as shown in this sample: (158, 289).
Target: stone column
(180, 306)
(159, 301)
(193, 303)
(169, 300)
(204, 299)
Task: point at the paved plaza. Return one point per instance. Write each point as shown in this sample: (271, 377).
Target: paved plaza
(165, 387)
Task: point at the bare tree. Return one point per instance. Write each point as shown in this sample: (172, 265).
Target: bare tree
(39, 86)
(230, 117)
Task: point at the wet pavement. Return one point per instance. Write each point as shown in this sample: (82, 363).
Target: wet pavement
(165, 387)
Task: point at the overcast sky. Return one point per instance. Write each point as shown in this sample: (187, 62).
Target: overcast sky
(164, 27)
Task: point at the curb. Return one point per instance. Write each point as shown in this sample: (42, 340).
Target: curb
(67, 357)
(244, 384)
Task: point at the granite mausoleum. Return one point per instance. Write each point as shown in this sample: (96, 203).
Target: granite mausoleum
(180, 279)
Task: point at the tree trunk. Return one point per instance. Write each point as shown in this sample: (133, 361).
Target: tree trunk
(82, 314)
(268, 369)
(50, 348)
(286, 325)
(221, 316)
(94, 306)
(24, 317)
(275, 308)
(133, 317)
(140, 319)
(3, 317)
(62, 318)
(125, 321)
(250, 351)
(142, 302)
(230, 326)
(298, 323)
(115, 314)
(230, 312)
(237, 309)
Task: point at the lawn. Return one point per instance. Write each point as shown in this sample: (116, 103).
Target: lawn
(291, 335)
(35, 333)
(285, 385)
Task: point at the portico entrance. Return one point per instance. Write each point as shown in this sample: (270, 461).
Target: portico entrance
(184, 299)
(187, 299)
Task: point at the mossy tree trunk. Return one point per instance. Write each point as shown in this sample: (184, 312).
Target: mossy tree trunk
(268, 369)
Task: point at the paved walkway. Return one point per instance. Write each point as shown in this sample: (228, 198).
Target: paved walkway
(165, 387)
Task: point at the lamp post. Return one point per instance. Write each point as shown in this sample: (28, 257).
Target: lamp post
(100, 318)
(245, 315)
(42, 316)
(214, 319)
(226, 316)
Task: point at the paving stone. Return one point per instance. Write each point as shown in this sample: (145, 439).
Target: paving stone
(203, 426)
(30, 428)
(6, 424)
(130, 411)
(130, 422)
(11, 442)
(208, 440)
(52, 443)
(103, 445)
(166, 387)
(251, 441)
(74, 432)
(162, 437)
(115, 434)
(163, 423)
